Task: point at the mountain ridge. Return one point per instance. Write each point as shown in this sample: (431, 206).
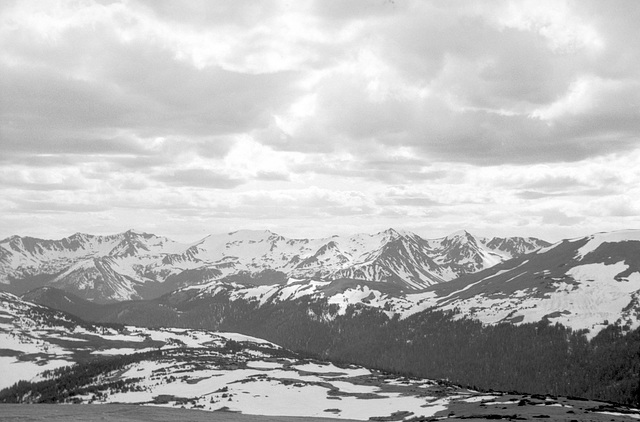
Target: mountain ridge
(136, 265)
(584, 283)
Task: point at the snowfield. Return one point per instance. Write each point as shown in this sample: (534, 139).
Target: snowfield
(281, 389)
(593, 299)
(598, 239)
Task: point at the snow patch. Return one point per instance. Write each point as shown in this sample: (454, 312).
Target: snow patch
(611, 237)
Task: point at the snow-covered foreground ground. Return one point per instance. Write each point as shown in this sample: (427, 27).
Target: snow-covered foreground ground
(203, 370)
(253, 382)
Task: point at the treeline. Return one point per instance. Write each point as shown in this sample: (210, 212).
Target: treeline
(65, 383)
(91, 377)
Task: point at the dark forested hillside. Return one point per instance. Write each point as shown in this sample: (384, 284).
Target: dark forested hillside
(539, 358)
(535, 358)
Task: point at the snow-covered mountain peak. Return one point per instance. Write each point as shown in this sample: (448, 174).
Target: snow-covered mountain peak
(391, 233)
(9, 239)
(510, 247)
(80, 236)
(458, 234)
(121, 266)
(458, 239)
(135, 233)
(133, 242)
(223, 241)
(256, 235)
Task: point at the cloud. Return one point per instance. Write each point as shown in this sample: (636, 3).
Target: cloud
(482, 84)
(272, 176)
(492, 93)
(554, 183)
(315, 203)
(200, 178)
(533, 195)
(350, 113)
(416, 201)
(100, 86)
(559, 218)
(54, 206)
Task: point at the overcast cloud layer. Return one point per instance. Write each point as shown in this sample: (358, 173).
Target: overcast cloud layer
(311, 118)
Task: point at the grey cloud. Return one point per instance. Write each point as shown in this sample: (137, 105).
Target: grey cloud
(138, 88)
(201, 178)
(560, 218)
(44, 112)
(401, 171)
(554, 183)
(209, 147)
(41, 186)
(40, 160)
(203, 102)
(272, 176)
(485, 138)
(134, 185)
(76, 97)
(274, 210)
(602, 191)
(46, 206)
(141, 163)
(617, 23)
(528, 194)
(577, 192)
(623, 209)
(374, 165)
(43, 145)
(307, 205)
(416, 201)
(486, 71)
(337, 10)
(203, 13)
(188, 101)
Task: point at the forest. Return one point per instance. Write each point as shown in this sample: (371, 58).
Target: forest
(92, 376)
(541, 358)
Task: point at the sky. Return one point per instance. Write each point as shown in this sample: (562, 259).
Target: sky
(314, 118)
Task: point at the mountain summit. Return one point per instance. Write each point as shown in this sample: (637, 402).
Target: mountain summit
(137, 265)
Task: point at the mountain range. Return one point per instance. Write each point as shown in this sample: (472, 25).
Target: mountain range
(584, 283)
(506, 314)
(135, 265)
